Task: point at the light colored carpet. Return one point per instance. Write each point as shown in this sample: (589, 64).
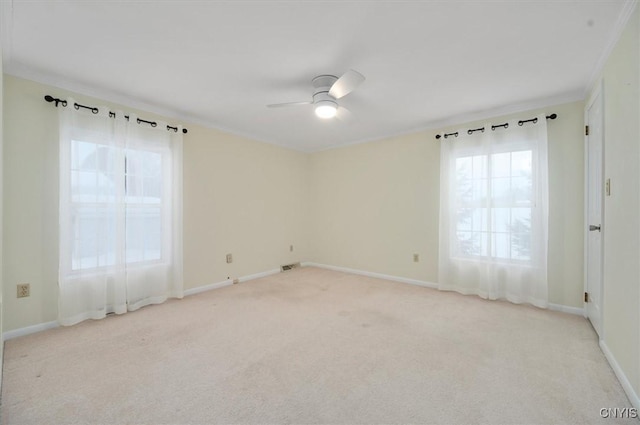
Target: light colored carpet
(314, 346)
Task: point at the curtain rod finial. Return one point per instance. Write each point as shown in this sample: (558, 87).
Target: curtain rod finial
(50, 99)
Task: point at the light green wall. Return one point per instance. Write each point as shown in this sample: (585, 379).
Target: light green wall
(240, 197)
(376, 204)
(621, 295)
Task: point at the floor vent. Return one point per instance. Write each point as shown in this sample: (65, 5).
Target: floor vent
(289, 267)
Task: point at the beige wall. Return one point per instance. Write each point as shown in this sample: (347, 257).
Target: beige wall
(621, 312)
(240, 197)
(368, 207)
(376, 204)
(1, 202)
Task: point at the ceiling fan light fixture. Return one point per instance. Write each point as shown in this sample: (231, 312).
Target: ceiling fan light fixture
(326, 109)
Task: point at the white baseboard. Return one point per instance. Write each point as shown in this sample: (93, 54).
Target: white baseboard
(50, 325)
(566, 309)
(375, 275)
(258, 275)
(624, 381)
(209, 287)
(554, 307)
(29, 330)
(228, 282)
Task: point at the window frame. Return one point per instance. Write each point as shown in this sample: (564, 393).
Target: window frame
(490, 205)
(124, 201)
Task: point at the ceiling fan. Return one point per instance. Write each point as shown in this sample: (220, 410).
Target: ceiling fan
(327, 89)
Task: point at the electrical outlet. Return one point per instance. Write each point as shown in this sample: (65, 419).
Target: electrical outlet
(229, 258)
(416, 258)
(290, 248)
(607, 187)
(24, 290)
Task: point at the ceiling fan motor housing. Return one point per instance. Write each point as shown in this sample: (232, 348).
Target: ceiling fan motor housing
(321, 86)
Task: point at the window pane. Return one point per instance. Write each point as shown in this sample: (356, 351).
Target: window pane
(105, 180)
(480, 220)
(521, 190)
(500, 245)
(521, 233)
(110, 159)
(83, 155)
(521, 164)
(106, 191)
(134, 189)
(83, 186)
(521, 246)
(479, 190)
(507, 236)
(151, 164)
(483, 238)
(465, 218)
(153, 236)
(501, 219)
(152, 190)
(465, 191)
(144, 234)
(464, 168)
(501, 189)
(479, 167)
(106, 247)
(501, 164)
(134, 236)
(86, 224)
(465, 243)
(521, 220)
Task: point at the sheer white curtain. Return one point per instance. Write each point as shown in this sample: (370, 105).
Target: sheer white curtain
(120, 214)
(494, 212)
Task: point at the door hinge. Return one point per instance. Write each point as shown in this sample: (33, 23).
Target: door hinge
(586, 130)
(586, 297)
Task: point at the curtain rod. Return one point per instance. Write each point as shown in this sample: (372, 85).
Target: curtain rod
(493, 127)
(95, 110)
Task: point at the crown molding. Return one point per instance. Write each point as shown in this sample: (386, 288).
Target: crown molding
(574, 96)
(461, 119)
(6, 30)
(63, 83)
(621, 23)
(32, 74)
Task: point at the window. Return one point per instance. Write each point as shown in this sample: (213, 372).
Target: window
(143, 198)
(494, 208)
(120, 213)
(98, 190)
(494, 205)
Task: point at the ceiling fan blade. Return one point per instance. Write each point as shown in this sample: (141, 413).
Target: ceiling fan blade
(282, 105)
(346, 84)
(344, 115)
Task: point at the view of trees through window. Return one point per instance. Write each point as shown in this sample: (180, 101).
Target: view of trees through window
(494, 205)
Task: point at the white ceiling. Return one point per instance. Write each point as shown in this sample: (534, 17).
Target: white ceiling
(218, 63)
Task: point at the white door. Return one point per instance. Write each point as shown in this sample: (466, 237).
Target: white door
(594, 209)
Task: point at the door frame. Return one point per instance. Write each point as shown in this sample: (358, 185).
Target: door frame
(598, 89)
